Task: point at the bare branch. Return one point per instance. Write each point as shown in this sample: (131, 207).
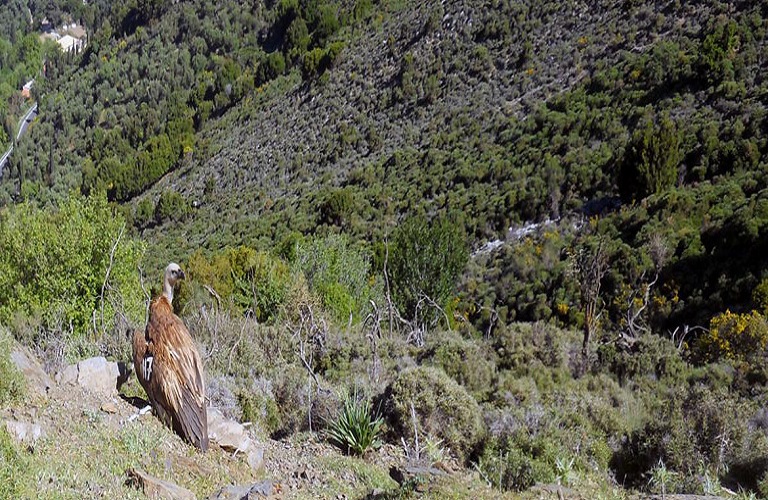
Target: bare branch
(213, 294)
(109, 271)
(386, 282)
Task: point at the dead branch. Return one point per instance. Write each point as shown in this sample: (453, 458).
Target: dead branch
(213, 294)
(309, 331)
(386, 283)
(109, 271)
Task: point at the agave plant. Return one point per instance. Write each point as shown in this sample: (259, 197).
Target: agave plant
(355, 429)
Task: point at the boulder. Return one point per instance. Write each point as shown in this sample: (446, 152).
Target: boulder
(94, 374)
(157, 488)
(232, 436)
(24, 432)
(68, 376)
(410, 472)
(38, 382)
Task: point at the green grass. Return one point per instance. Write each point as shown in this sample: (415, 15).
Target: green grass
(87, 454)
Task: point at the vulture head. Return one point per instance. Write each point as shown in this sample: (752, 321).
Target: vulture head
(173, 274)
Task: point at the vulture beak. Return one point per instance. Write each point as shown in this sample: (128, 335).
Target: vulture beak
(182, 275)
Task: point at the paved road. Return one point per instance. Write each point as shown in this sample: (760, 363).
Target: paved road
(23, 124)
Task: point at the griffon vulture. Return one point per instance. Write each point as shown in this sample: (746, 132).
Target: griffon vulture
(168, 366)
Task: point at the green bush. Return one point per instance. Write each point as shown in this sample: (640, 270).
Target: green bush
(697, 428)
(171, 206)
(261, 409)
(337, 207)
(54, 262)
(652, 159)
(649, 359)
(426, 259)
(518, 344)
(513, 468)
(443, 409)
(466, 361)
(719, 49)
(338, 272)
(250, 280)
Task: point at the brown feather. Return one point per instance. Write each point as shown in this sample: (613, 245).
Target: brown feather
(173, 377)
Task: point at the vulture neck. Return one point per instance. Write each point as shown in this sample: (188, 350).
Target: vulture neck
(168, 291)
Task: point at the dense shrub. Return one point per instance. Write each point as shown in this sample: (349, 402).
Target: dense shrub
(171, 206)
(258, 406)
(649, 359)
(735, 337)
(651, 161)
(516, 470)
(338, 272)
(252, 281)
(69, 265)
(696, 428)
(469, 362)
(443, 409)
(518, 344)
(426, 259)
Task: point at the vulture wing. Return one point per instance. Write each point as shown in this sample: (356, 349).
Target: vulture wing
(170, 370)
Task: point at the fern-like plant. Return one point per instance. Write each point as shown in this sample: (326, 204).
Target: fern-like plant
(355, 429)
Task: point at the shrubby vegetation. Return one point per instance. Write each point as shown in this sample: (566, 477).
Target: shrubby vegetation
(72, 270)
(323, 169)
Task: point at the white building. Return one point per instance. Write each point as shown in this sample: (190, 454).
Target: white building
(70, 44)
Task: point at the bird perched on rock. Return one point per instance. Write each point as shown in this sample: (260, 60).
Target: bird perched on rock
(168, 366)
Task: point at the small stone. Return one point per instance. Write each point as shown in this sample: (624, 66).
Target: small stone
(109, 407)
(231, 493)
(227, 433)
(262, 489)
(158, 488)
(24, 432)
(233, 437)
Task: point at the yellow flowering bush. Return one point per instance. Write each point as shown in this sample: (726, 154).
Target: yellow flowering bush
(735, 337)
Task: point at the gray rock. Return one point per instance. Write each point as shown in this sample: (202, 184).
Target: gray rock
(262, 489)
(233, 437)
(94, 374)
(157, 488)
(228, 434)
(24, 432)
(68, 376)
(256, 457)
(38, 382)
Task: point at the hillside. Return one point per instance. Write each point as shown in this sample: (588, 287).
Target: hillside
(569, 197)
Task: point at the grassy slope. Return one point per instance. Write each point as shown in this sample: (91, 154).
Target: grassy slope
(86, 452)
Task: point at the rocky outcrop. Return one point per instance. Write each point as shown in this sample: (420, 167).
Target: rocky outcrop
(38, 382)
(157, 488)
(94, 374)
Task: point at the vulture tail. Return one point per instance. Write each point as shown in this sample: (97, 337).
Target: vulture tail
(193, 420)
